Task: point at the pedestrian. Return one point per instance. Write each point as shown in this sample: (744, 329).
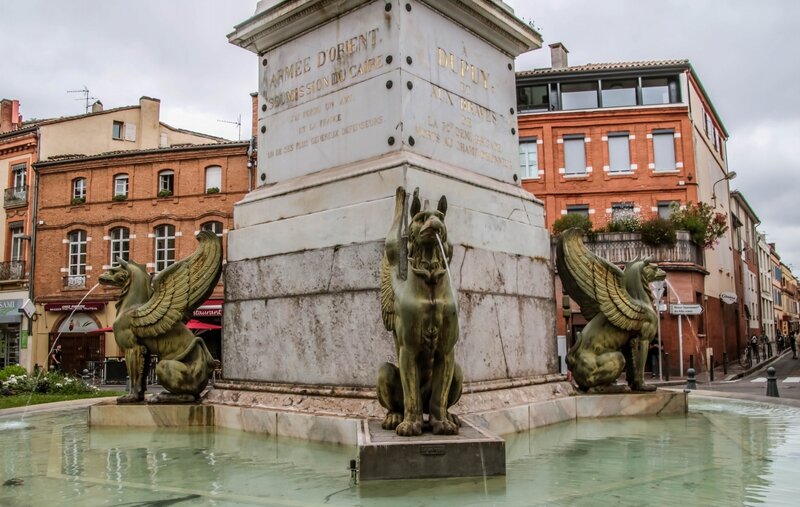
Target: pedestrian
(652, 357)
(793, 344)
(754, 348)
(55, 359)
(779, 341)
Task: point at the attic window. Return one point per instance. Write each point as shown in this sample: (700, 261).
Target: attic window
(116, 132)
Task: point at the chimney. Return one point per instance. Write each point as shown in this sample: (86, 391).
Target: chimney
(10, 118)
(97, 107)
(558, 56)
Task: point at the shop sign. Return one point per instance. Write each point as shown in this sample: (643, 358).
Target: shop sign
(86, 306)
(9, 310)
(728, 297)
(211, 308)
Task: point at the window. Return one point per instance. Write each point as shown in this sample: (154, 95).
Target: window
(165, 246)
(579, 95)
(77, 259)
(19, 175)
(619, 92)
(665, 208)
(213, 226)
(121, 185)
(78, 190)
(664, 150)
(166, 183)
(213, 178)
(578, 209)
(621, 210)
(533, 98)
(528, 159)
(117, 129)
(659, 90)
(120, 244)
(574, 155)
(619, 153)
(17, 233)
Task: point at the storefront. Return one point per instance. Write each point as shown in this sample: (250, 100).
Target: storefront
(75, 329)
(12, 330)
(210, 312)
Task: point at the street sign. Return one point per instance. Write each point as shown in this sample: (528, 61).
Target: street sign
(685, 309)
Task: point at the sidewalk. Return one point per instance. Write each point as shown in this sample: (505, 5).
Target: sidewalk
(735, 371)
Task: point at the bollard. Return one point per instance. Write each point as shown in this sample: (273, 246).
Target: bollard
(666, 366)
(772, 383)
(691, 382)
(128, 383)
(559, 363)
(724, 363)
(711, 370)
(85, 376)
(691, 360)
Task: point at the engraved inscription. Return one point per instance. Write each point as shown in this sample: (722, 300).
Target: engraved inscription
(432, 450)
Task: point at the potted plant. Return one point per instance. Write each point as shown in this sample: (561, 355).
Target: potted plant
(78, 200)
(164, 193)
(659, 231)
(120, 197)
(212, 190)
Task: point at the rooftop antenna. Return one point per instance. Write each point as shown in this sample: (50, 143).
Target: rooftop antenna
(86, 98)
(238, 123)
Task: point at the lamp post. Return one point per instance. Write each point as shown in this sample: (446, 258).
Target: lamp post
(731, 175)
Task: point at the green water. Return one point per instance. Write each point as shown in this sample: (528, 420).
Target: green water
(724, 454)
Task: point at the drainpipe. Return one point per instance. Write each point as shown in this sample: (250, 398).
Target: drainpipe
(32, 257)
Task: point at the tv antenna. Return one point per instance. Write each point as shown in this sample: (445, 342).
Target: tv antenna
(86, 98)
(238, 123)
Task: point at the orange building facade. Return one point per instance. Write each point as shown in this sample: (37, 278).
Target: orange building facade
(621, 139)
(143, 205)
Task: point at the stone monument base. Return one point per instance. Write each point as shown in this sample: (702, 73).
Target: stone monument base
(383, 455)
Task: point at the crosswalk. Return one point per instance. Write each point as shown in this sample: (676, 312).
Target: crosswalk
(787, 380)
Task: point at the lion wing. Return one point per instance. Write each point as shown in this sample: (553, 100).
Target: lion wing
(180, 289)
(387, 294)
(596, 284)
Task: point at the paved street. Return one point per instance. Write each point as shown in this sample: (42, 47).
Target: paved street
(755, 382)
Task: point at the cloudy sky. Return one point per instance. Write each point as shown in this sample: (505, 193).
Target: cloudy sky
(745, 53)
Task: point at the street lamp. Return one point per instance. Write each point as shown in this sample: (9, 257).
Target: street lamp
(731, 175)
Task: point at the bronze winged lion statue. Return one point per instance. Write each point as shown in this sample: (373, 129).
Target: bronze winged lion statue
(150, 320)
(418, 305)
(619, 307)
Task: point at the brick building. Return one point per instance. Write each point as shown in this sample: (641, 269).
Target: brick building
(144, 205)
(620, 139)
(22, 144)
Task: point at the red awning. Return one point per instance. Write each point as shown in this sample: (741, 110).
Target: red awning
(192, 324)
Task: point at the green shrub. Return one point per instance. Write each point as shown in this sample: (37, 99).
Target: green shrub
(212, 190)
(120, 197)
(659, 231)
(49, 383)
(625, 223)
(571, 220)
(164, 193)
(78, 200)
(12, 369)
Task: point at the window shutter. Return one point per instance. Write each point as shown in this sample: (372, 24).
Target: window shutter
(130, 131)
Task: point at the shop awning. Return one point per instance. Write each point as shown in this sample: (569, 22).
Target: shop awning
(211, 308)
(192, 324)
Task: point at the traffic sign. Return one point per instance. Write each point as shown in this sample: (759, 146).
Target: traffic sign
(685, 309)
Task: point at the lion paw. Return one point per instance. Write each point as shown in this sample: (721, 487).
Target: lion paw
(446, 427)
(454, 419)
(642, 387)
(409, 428)
(131, 398)
(391, 420)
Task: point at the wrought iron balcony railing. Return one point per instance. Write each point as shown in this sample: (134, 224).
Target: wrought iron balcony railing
(12, 270)
(16, 196)
(75, 282)
(622, 247)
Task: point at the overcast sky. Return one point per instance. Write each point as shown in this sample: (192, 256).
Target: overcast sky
(745, 53)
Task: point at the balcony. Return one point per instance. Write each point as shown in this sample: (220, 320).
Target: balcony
(13, 270)
(16, 196)
(74, 281)
(623, 247)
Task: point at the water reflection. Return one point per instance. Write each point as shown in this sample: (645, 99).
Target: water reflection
(725, 453)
